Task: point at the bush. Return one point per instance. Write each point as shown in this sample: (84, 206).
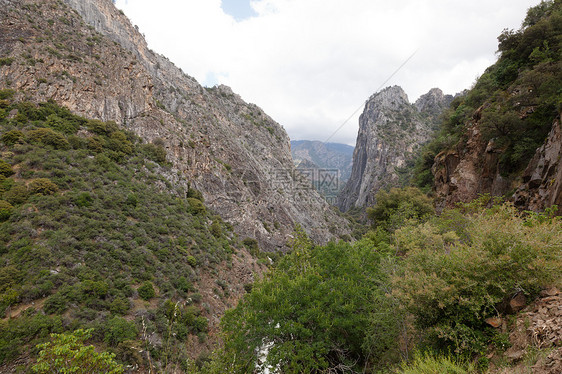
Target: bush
(17, 194)
(48, 136)
(6, 169)
(6, 210)
(12, 137)
(42, 186)
(452, 286)
(66, 353)
(196, 207)
(118, 330)
(427, 364)
(146, 291)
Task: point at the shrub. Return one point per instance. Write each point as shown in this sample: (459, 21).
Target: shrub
(17, 194)
(192, 261)
(12, 137)
(451, 289)
(146, 291)
(6, 169)
(196, 206)
(6, 210)
(427, 364)
(42, 186)
(83, 199)
(66, 353)
(48, 136)
(118, 330)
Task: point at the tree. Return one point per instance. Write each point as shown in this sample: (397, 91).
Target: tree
(67, 353)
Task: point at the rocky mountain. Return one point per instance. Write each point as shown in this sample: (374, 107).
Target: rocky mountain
(87, 56)
(391, 130)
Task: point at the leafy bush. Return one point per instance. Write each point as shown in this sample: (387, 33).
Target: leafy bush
(6, 169)
(48, 136)
(146, 291)
(43, 186)
(196, 206)
(452, 286)
(427, 364)
(6, 210)
(12, 137)
(118, 330)
(66, 353)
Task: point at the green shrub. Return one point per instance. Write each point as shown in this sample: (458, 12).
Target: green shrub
(66, 353)
(17, 194)
(146, 291)
(6, 210)
(118, 330)
(6, 169)
(196, 207)
(48, 136)
(428, 364)
(452, 286)
(42, 186)
(192, 261)
(83, 199)
(12, 137)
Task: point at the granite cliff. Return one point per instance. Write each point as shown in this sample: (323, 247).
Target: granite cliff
(87, 56)
(391, 130)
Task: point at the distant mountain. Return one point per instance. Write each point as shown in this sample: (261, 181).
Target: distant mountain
(324, 155)
(327, 165)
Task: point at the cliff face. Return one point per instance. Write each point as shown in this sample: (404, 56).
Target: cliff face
(87, 56)
(542, 179)
(390, 131)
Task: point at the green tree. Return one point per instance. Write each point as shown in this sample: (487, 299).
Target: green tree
(67, 353)
(146, 291)
(310, 315)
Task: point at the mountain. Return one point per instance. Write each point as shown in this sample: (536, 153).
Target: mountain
(391, 131)
(87, 56)
(503, 137)
(132, 200)
(326, 165)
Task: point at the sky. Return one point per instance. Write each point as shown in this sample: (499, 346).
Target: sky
(312, 64)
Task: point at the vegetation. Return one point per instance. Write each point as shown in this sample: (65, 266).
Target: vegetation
(90, 228)
(519, 94)
(66, 353)
(428, 285)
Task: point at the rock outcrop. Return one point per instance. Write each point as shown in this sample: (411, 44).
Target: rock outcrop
(86, 55)
(542, 179)
(391, 130)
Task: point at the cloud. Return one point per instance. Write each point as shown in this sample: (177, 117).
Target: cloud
(311, 63)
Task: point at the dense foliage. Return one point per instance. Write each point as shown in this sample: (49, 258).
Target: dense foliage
(90, 227)
(515, 101)
(429, 284)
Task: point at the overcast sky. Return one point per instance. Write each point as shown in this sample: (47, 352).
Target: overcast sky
(310, 64)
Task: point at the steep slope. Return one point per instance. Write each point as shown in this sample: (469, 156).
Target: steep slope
(231, 151)
(503, 137)
(391, 130)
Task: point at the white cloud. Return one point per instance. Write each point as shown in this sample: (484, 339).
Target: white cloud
(311, 63)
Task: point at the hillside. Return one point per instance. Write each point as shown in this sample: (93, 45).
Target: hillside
(502, 137)
(98, 65)
(97, 233)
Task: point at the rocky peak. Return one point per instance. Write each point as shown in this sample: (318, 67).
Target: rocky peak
(391, 130)
(393, 98)
(433, 102)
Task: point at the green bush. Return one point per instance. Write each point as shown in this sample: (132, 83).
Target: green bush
(12, 137)
(428, 364)
(146, 291)
(118, 330)
(452, 286)
(42, 186)
(66, 353)
(196, 207)
(6, 169)
(48, 136)
(6, 210)
(17, 194)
